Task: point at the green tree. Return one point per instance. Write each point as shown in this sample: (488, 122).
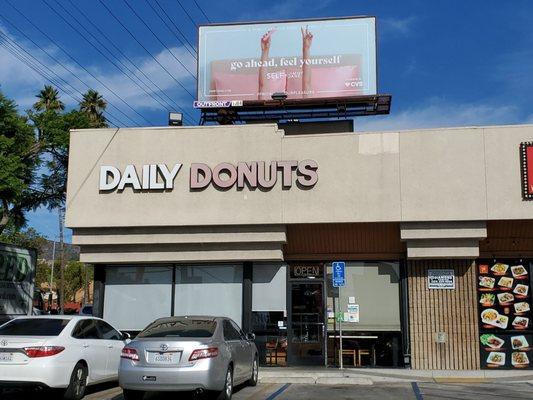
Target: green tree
(19, 161)
(29, 239)
(44, 270)
(94, 105)
(49, 100)
(54, 130)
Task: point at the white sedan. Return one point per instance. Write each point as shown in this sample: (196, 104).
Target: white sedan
(59, 352)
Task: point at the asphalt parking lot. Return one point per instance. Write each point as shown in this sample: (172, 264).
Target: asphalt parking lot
(420, 391)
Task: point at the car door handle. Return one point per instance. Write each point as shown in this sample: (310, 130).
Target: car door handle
(109, 346)
(85, 345)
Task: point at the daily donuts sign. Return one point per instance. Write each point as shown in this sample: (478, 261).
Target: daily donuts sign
(251, 175)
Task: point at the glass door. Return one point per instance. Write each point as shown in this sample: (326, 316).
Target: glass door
(306, 330)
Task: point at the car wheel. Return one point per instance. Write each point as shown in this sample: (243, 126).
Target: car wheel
(227, 392)
(255, 373)
(133, 394)
(77, 384)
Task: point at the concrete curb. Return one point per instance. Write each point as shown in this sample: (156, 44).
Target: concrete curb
(369, 377)
(315, 380)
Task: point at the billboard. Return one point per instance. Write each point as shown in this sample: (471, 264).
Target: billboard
(306, 59)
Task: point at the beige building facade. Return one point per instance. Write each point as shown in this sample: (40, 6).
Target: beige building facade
(246, 221)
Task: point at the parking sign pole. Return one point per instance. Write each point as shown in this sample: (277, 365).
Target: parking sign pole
(339, 280)
(340, 328)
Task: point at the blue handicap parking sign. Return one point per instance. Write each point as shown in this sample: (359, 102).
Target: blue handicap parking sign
(338, 273)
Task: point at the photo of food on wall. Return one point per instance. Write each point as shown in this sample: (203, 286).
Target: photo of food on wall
(505, 282)
(506, 332)
(519, 272)
(499, 269)
(486, 282)
(521, 290)
(505, 350)
(496, 358)
(519, 343)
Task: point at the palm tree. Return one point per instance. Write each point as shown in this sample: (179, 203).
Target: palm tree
(94, 105)
(49, 100)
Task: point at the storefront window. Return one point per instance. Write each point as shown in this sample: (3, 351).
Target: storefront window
(269, 313)
(209, 290)
(136, 296)
(369, 310)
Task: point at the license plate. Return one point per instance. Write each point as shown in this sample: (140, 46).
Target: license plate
(6, 357)
(165, 358)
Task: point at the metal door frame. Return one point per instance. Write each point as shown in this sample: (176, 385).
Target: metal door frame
(290, 281)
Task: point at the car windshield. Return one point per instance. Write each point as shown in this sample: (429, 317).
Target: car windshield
(183, 327)
(34, 327)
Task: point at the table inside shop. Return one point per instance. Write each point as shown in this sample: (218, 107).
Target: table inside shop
(355, 353)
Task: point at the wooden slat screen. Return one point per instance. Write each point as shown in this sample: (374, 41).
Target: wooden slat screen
(512, 238)
(450, 311)
(362, 241)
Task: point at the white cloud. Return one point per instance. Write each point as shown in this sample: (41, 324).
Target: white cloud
(396, 26)
(22, 83)
(440, 113)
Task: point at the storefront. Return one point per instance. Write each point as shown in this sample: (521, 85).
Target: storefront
(181, 221)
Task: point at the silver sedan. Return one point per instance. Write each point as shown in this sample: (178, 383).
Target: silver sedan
(189, 353)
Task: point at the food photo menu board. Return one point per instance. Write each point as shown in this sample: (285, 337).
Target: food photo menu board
(504, 300)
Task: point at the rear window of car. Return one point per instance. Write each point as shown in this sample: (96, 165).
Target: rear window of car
(186, 328)
(34, 327)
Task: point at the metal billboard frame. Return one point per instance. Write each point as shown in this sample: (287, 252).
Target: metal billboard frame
(296, 109)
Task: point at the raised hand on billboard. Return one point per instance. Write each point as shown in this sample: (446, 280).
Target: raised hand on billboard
(266, 39)
(307, 37)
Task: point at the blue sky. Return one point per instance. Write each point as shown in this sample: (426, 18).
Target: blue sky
(446, 63)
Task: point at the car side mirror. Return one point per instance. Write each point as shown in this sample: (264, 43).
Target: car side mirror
(126, 336)
(250, 336)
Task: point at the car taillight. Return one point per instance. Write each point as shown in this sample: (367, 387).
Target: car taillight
(130, 354)
(203, 353)
(43, 351)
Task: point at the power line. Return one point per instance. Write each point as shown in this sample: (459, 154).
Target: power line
(171, 31)
(145, 49)
(200, 8)
(157, 37)
(41, 69)
(108, 39)
(186, 12)
(102, 83)
(129, 76)
(22, 55)
(58, 62)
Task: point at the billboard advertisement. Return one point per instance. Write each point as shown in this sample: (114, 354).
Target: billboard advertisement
(308, 59)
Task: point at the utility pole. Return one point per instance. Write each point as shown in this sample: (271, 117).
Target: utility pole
(61, 262)
(51, 297)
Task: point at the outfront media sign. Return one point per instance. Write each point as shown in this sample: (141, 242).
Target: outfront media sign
(306, 59)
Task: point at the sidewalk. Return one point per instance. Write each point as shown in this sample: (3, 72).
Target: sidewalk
(364, 376)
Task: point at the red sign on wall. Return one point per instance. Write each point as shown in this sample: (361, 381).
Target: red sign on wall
(526, 160)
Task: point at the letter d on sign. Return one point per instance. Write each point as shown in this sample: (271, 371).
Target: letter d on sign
(200, 176)
(105, 172)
